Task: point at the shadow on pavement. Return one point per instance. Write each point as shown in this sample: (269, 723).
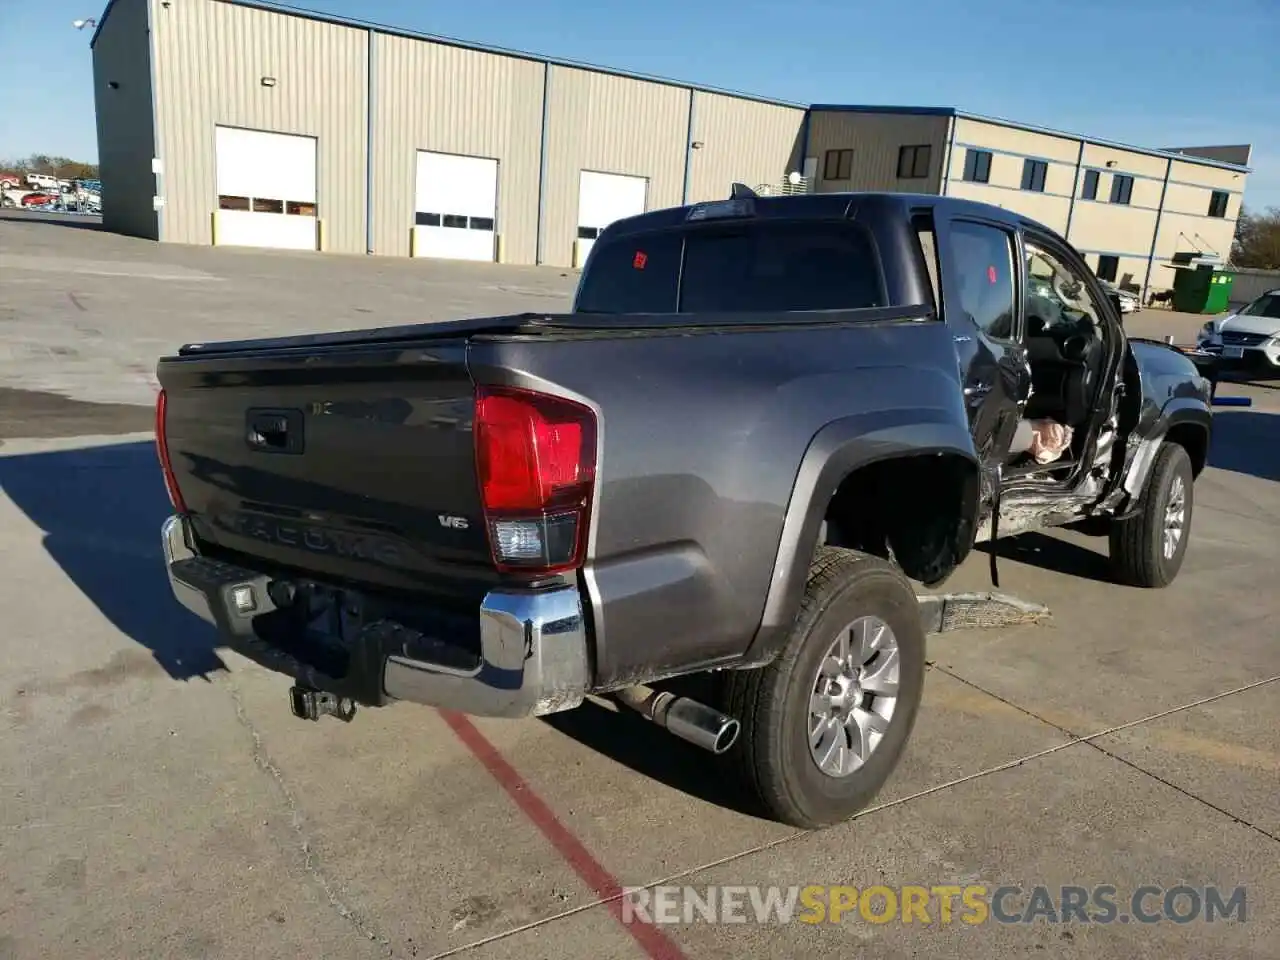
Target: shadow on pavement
(101, 509)
(1056, 555)
(627, 738)
(1246, 441)
(35, 413)
(80, 221)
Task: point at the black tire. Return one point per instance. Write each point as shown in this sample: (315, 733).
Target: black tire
(772, 703)
(1137, 542)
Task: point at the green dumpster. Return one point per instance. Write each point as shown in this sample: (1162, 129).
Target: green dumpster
(1204, 289)
(1219, 292)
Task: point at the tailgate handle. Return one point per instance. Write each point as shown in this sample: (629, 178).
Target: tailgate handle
(274, 431)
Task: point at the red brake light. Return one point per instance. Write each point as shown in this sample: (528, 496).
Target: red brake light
(162, 449)
(535, 460)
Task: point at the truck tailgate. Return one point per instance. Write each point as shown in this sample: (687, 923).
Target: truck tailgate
(352, 462)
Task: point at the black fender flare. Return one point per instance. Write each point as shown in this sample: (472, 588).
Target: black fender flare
(1176, 412)
(836, 451)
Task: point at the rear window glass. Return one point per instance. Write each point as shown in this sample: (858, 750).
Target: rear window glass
(767, 267)
(633, 275)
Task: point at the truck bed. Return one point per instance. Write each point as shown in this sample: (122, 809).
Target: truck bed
(375, 485)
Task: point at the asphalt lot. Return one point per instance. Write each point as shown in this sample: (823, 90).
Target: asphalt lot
(158, 800)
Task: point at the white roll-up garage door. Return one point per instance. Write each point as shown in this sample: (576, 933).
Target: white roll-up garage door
(266, 189)
(602, 199)
(455, 207)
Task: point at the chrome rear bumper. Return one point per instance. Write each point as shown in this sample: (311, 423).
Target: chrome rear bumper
(532, 651)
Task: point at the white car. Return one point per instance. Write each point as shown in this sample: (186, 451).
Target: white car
(1129, 302)
(1250, 335)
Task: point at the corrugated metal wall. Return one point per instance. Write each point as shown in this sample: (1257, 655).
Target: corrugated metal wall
(126, 129)
(210, 58)
(429, 96)
(743, 140)
(608, 124)
(1251, 284)
(875, 139)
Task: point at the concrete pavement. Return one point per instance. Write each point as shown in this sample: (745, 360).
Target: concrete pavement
(158, 800)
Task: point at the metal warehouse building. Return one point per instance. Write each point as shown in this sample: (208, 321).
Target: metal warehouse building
(233, 122)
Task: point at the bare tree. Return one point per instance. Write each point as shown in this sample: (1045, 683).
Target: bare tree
(1257, 241)
(62, 167)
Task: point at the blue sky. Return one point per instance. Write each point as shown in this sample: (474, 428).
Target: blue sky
(1116, 69)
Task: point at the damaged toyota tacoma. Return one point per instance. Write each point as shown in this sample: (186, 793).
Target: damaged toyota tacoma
(762, 421)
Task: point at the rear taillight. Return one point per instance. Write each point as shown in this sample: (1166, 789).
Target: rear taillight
(536, 462)
(162, 449)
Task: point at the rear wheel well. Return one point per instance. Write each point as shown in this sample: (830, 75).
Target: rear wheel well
(1193, 438)
(917, 511)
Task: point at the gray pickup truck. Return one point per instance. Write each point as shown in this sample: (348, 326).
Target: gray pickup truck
(762, 420)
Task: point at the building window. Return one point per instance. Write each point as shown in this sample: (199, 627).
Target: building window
(266, 205)
(1108, 267)
(838, 165)
(1121, 188)
(913, 162)
(1090, 189)
(1033, 174)
(427, 218)
(1218, 204)
(977, 166)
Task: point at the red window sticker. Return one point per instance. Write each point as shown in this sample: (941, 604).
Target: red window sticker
(640, 259)
(991, 274)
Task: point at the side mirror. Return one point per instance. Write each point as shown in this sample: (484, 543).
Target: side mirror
(1115, 302)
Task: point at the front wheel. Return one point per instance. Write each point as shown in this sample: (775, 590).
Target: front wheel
(1147, 549)
(824, 724)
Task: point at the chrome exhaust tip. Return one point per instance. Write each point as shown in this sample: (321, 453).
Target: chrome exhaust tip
(701, 725)
(687, 719)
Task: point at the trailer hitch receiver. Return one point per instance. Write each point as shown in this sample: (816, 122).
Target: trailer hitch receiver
(310, 704)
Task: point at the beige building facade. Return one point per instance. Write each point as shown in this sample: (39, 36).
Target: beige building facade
(1128, 210)
(230, 122)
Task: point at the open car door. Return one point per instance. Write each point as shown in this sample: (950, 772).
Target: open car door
(982, 290)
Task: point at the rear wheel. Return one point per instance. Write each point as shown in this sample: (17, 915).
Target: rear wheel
(1147, 549)
(824, 724)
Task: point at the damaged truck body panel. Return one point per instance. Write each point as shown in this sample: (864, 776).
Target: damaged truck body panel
(1171, 403)
(714, 478)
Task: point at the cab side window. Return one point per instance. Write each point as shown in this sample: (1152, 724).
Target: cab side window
(929, 251)
(983, 264)
(1056, 294)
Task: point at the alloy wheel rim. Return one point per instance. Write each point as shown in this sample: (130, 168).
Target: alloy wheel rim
(1175, 517)
(853, 696)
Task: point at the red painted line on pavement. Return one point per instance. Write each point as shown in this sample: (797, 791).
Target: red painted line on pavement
(656, 944)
